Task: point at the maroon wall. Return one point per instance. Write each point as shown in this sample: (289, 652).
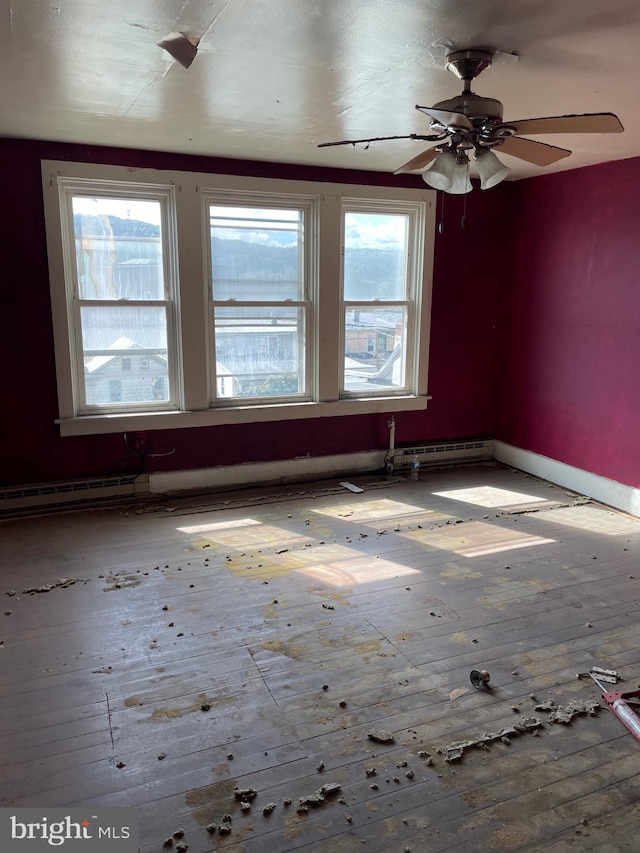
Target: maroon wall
(462, 374)
(569, 371)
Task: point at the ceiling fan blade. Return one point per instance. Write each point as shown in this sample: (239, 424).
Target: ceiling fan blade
(588, 123)
(418, 162)
(534, 152)
(377, 139)
(447, 119)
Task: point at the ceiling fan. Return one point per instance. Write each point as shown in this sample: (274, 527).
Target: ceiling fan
(472, 125)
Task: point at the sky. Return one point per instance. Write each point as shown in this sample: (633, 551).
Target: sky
(375, 231)
(143, 211)
(362, 230)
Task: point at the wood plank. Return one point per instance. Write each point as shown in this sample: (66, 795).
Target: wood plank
(291, 601)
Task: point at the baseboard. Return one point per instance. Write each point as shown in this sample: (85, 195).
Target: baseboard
(266, 473)
(307, 468)
(609, 492)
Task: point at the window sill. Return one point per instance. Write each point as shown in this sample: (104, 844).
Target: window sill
(102, 424)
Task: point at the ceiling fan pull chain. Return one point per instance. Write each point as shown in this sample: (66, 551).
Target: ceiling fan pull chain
(441, 223)
(463, 221)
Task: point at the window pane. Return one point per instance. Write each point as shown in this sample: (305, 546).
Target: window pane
(375, 348)
(375, 256)
(256, 253)
(125, 354)
(259, 351)
(118, 248)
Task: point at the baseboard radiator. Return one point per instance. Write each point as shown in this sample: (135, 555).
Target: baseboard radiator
(442, 453)
(46, 496)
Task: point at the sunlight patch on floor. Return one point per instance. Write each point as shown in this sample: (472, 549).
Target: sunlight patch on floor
(214, 526)
(364, 511)
(476, 539)
(593, 518)
(357, 572)
(490, 496)
(252, 534)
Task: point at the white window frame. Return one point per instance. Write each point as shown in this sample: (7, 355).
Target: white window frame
(72, 357)
(415, 214)
(190, 269)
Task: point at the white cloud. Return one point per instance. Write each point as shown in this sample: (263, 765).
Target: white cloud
(375, 231)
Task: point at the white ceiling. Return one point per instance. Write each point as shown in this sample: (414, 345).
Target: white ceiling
(273, 78)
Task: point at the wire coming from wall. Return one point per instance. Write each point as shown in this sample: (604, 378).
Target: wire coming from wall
(139, 451)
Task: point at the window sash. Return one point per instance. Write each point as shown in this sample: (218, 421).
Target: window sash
(383, 371)
(236, 385)
(102, 357)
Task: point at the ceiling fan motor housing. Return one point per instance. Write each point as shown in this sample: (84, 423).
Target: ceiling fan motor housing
(473, 107)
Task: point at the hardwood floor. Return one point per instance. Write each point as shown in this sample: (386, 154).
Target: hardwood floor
(255, 638)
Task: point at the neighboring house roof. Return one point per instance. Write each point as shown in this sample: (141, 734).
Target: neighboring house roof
(373, 321)
(122, 343)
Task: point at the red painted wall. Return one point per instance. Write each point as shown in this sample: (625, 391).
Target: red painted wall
(569, 371)
(462, 374)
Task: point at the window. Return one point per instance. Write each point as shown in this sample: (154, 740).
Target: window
(259, 302)
(186, 299)
(380, 290)
(119, 292)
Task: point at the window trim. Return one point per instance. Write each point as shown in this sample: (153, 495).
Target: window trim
(193, 379)
(410, 302)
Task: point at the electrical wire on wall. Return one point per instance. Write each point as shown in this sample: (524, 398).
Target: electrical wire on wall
(139, 451)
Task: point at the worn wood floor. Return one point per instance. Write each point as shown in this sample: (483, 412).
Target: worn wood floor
(302, 617)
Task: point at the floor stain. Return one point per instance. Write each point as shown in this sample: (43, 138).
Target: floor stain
(333, 596)
(390, 827)
(122, 582)
(206, 802)
(508, 838)
(536, 663)
(295, 826)
(440, 608)
(264, 568)
(477, 797)
(173, 713)
(370, 646)
(291, 650)
(270, 611)
(454, 571)
(494, 595)
(460, 637)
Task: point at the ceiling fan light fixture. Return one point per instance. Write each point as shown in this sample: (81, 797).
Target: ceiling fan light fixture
(442, 172)
(490, 170)
(461, 183)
